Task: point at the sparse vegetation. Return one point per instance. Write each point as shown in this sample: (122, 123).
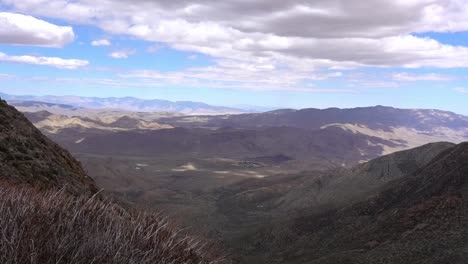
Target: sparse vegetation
(55, 227)
(28, 157)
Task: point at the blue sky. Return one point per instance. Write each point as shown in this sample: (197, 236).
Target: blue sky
(265, 54)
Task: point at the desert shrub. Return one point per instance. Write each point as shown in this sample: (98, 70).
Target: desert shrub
(55, 227)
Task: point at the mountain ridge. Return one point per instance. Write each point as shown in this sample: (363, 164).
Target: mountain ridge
(406, 128)
(123, 103)
(314, 118)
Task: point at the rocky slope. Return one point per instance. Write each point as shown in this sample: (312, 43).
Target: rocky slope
(27, 156)
(418, 217)
(332, 188)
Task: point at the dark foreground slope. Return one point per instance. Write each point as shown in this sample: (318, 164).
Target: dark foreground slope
(27, 156)
(419, 218)
(50, 211)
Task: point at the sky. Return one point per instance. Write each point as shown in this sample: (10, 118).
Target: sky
(276, 53)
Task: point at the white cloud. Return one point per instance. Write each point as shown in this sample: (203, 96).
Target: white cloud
(26, 30)
(132, 82)
(121, 54)
(462, 90)
(240, 75)
(324, 18)
(292, 39)
(46, 61)
(403, 76)
(100, 42)
(338, 32)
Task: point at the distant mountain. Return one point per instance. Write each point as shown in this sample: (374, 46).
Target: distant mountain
(378, 117)
(405, 127)
(306, 138)
(120, 103)
(34, 105)
(54, 123)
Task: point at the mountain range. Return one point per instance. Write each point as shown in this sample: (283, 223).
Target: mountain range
(119, 103)
(362, 185)
(306, 139)
(378, 117)
(405, 128)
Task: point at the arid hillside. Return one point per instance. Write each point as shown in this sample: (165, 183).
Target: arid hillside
(27, 156)
(51, 211)
(415, 216)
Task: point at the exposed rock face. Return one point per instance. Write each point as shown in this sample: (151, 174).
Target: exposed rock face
(28, 157)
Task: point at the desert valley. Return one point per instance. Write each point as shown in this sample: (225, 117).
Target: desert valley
(254, 182)
(234, 132)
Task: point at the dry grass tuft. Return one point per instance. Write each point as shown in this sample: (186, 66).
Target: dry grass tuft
(54, 227)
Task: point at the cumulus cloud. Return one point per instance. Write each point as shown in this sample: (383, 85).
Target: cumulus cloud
(26, 30)
(46, 61)
(230, 74)
(287, 37)
(100, 42)
(338, 31)
(121, 54)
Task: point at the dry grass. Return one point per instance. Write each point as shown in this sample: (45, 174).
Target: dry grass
(54, 227)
